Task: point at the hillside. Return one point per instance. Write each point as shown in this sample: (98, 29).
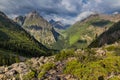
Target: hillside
(108, 37)
(16, 41)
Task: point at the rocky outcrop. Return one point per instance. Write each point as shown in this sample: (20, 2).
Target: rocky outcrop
(19, 70)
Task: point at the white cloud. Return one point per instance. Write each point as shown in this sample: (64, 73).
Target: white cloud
(83, 15)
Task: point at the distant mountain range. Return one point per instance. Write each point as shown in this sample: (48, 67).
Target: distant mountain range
(58, 24)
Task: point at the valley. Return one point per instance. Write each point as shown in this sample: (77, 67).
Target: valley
(33, 48)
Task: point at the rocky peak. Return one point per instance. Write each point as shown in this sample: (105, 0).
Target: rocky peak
(51, 21)
(34, 19)
(40, 28)
(20, 20)
(33, 14)
(2, 14)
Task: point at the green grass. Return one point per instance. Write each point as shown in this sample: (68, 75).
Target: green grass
(29, 76)
(93, 70)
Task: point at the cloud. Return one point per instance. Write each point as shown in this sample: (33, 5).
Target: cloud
(67, 11)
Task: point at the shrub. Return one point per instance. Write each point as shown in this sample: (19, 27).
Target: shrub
(64, 54)
(114, 78)
(29, 76)
(93, 70)
(111, 48)
(43, 69)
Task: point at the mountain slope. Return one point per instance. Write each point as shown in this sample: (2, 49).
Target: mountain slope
(40, 29)
(110, 36)
(16, 40)
(82, 33)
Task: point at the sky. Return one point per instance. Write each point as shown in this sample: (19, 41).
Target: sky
(67, 11)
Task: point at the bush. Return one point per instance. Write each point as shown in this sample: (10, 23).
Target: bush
(43, 69)
(29, 76)
(114, 78)
(111, 48)
(93, 70)
(64, 54)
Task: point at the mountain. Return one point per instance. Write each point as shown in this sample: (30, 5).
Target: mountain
(39, 28)
(108, 37)
(58, 24)
(20, 20)
(82, 33)
(15, 41)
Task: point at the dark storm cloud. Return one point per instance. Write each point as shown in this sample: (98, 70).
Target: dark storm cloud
(64, 10)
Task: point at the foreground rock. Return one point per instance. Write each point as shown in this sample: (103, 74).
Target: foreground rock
(23, 70)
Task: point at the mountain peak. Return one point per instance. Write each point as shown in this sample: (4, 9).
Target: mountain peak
(19, 20)
(2, 14)
(40, 28)
(52, 21)
(34, 14)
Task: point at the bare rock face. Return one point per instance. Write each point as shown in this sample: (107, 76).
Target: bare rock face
(38, 27)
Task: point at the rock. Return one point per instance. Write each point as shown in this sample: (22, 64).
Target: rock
(11, 73)
(52, 71)
(2, 70)
(100, 52)
(10, 67)
(41, 59)
(57, 78)
(45, 60)
(6, 69)
(68, 77)
(1, 76)
(22, 65)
